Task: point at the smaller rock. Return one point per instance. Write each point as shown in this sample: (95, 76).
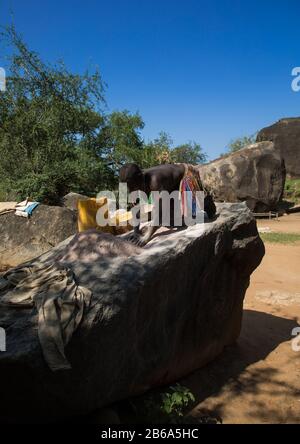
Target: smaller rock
(70, 200)
(23, 239)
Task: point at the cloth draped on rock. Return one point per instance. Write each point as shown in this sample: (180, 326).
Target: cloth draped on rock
(7, 207)
(188, 188)
(60, 303)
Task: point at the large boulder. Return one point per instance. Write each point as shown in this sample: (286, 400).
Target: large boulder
(254, 174)
(285, 134)
(155, 316)
(23, 239)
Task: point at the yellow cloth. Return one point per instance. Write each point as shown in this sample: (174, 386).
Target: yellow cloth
(87, 212)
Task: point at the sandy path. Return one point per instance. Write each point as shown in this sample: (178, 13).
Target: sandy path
(258, 379)
(289, 223)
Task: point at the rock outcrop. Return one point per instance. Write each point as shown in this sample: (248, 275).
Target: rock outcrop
(285, 134)
(254, 174)
(155, 316)
(23, 239)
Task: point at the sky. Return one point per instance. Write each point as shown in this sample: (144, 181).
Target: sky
(202, 70)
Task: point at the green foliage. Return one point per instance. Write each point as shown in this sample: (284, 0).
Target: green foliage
(55, 137)
(189, 153)
(161, 150)
(44, 114)
(280, 238)
(164, 407)
(242, 142)
(119, 140)
(6, 193)
(292, 190)
(176, 400)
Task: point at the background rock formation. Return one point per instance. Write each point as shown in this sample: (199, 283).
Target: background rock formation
(23, 239)
(255, 174)
(285, 134)
(154, 317)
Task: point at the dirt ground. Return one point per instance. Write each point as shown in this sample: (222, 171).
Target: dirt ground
(258, 379)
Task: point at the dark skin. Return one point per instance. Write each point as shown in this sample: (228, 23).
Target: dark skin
(165, 177)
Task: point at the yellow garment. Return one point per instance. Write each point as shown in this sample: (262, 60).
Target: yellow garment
(87, 212)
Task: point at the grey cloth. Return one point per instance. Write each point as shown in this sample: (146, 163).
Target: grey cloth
(60, 303)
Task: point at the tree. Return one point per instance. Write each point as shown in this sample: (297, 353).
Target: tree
(56, 138)
(119, 140)
(189, 153)
(46, 114)
(161, 151)
(157, 151)
(242, 142)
